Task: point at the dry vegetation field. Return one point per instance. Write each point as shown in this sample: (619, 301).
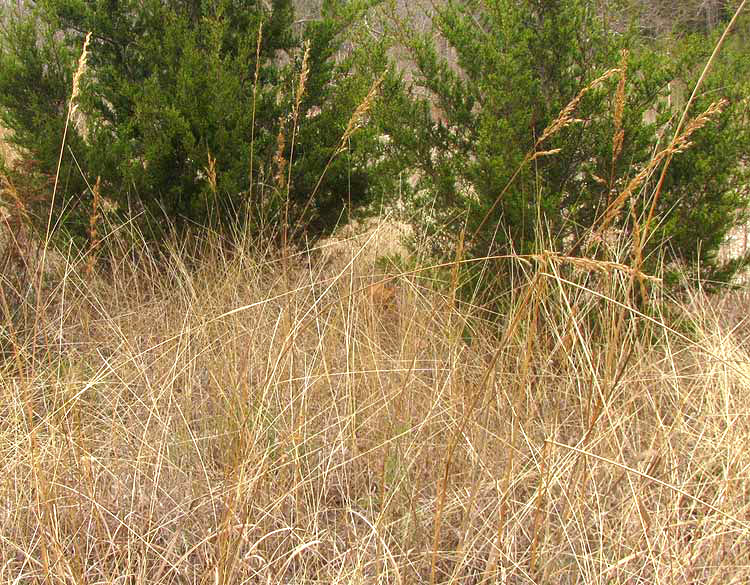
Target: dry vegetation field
(208, 413)
(226, 416)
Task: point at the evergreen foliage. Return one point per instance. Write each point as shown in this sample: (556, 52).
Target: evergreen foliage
(510, 68)
(177, 123)
(170, 87)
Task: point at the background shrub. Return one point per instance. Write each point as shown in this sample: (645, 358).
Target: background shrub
(491, 75)
(171, 87)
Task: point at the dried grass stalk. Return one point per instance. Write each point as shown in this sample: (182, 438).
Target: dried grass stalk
(619, 133)
(94, 241)
(680, 144)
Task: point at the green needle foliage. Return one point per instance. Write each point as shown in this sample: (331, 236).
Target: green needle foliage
(490, 155)
(175, 119)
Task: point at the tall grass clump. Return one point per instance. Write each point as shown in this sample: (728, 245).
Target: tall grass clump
(222, 409)
(209, 418)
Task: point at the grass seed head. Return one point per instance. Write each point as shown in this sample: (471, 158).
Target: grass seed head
(619, 133)
(79, 73)
(357, 119)
(565, 118)
(278, 158)
(303, 74)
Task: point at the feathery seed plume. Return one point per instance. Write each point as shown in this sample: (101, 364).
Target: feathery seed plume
(303, 74)
(78, 120)
(278, 157)
(619, 134)
(565, 118)
(679, 144)
(357, 119)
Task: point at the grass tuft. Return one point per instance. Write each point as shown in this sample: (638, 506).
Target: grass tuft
(206, 418)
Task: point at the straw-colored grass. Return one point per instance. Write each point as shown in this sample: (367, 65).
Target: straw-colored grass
(216, 414)
(201, 420)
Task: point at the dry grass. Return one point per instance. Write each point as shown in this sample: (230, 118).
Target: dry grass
(7, 152)
(216, 415)
(193, 420)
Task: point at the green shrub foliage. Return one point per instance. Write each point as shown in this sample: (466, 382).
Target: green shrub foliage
(171, 83)
(500, 73)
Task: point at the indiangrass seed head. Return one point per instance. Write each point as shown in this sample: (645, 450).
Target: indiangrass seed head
(80, 71)
(78, 120)
(542, 153)
(682, 142)
(619, 134)
(565, 118)
(303, 74)
(211, 173)
(257, 53)
(278, 157)
(620, 94)
(359, 114)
